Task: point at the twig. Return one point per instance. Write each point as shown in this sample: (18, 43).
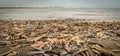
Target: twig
(103, 50)
(38, 38)
(4, 54)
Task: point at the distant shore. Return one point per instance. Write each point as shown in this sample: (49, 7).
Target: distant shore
(52, 7)
(46, 13)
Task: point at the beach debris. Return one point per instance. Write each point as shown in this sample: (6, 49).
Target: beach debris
(59, 38)
(103, 50)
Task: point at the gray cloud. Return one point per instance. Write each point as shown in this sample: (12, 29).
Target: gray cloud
(61, 3)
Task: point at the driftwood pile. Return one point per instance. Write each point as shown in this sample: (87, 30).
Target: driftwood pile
(59, 38)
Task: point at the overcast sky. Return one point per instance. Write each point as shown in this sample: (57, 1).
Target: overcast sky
(61, 3)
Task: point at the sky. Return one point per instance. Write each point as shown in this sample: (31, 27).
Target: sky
(61, 3)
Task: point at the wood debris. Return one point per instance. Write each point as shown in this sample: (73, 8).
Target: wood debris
(59, 38)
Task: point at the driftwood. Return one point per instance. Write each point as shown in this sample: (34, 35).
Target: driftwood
(4, 54)
(36, 52)
(118, 45)
(59, 37)
(103, 50)
(13, 49)
(38, 38)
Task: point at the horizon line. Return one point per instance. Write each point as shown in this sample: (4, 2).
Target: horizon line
(52, 7)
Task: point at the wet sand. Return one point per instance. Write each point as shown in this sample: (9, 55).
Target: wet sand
(60, 13)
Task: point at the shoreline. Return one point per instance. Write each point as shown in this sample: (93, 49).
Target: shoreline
(60, 13)
(54, 8)
(74, 20)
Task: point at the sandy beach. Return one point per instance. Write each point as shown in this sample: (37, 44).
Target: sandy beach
(59, 32)
(60, 13)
